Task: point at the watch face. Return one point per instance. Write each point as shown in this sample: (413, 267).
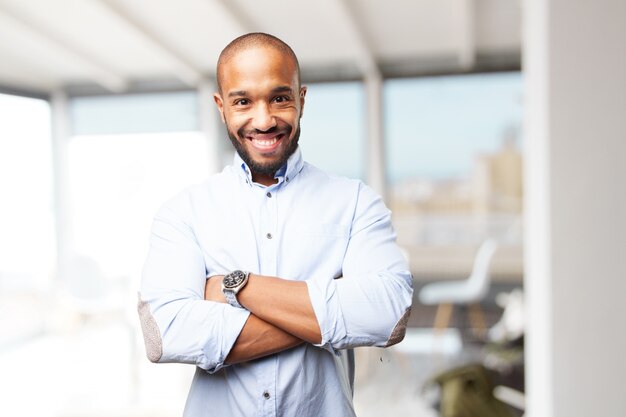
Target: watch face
(234, 279)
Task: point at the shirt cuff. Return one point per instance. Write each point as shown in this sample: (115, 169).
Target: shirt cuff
(233, 320)
(327, 310)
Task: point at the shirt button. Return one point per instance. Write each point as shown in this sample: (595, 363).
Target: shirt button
(269, 235)
(269, 194)
(266, 395)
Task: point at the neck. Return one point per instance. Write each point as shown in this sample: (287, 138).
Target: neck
(264, 179)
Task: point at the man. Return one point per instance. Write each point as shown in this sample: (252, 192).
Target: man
(302, 265)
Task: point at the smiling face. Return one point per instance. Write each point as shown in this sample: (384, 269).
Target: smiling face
(261, 102)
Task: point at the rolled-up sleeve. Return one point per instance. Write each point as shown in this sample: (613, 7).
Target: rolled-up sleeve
(177, 323)
(370, 304)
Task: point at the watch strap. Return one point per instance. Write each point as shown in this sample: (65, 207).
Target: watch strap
(231, 298)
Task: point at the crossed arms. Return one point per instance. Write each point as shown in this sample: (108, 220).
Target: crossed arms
(275, 324)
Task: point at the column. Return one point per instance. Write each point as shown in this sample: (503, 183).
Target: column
(61, 132)
(210, 124)
(376, 177)
(575, 176)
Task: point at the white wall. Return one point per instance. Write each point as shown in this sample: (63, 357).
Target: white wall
(575, 69)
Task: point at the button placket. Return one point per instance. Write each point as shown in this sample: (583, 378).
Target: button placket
(269, 236)
(267, 395)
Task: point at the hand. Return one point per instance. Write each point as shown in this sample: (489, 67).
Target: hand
(213, 289)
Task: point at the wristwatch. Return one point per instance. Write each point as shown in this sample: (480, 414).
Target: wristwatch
(232, 284)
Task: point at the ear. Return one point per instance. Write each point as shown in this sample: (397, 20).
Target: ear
(302, 95)
(220, 105)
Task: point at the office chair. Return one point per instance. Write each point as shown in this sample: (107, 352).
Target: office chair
(468, 292)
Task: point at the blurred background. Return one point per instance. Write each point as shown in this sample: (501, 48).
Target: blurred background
(505, 182)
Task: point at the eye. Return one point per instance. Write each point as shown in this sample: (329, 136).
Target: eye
(242, 102)
(281, 99)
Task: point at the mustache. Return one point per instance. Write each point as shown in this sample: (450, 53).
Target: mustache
(242, 132)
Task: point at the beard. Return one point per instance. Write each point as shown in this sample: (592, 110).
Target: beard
(268, 168)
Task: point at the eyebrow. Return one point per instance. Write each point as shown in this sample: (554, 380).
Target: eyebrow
(237, 94)
(282, 89)
(276, 90)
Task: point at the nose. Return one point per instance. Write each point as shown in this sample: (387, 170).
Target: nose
(263, 119)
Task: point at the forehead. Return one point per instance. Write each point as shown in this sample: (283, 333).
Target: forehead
(257, 67)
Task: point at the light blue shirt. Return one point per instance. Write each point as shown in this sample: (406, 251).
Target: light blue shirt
(333, 233)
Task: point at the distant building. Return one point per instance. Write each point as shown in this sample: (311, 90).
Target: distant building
(497, 179)
(493, 186)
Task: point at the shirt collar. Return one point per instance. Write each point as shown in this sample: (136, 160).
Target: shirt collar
(286, 173)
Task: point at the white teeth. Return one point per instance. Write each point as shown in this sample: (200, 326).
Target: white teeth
(268, 142)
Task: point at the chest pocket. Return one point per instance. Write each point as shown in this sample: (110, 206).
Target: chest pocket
(329, 230)
(315, 249)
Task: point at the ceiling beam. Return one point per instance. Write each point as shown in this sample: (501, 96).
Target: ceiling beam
(365, 57)
(467, 32)
(99, 72)
(22, 92)
(184, 70)
(22, 68)
(241, 19)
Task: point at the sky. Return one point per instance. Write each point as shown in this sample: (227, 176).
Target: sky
(436, 125)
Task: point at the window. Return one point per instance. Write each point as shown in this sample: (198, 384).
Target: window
(455, 167)
(333, 128)
(130, 153)
(27, 244)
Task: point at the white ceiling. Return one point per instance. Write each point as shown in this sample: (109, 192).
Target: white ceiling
(118, 45)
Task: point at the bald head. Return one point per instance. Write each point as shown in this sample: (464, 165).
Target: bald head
(250, 41)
